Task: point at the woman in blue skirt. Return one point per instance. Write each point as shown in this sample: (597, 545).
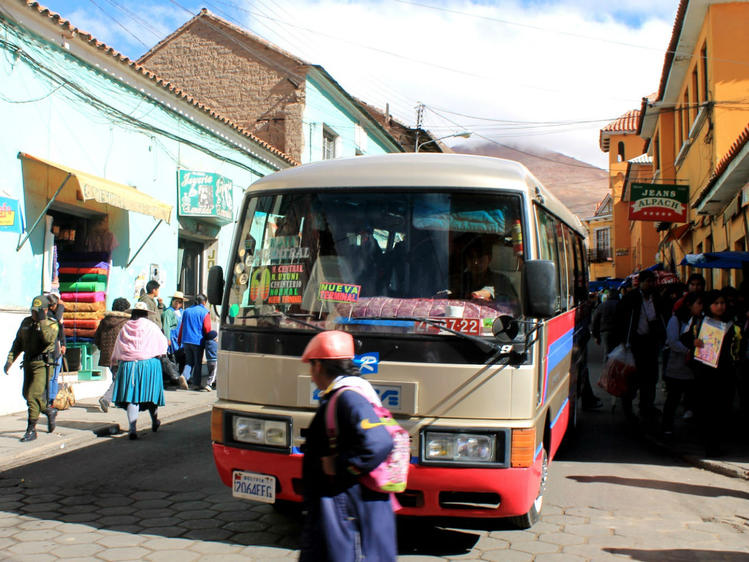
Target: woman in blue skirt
(139, 384)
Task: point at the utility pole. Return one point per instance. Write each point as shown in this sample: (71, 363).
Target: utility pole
(419, 119)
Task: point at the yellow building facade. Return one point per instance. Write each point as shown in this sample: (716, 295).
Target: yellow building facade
(634, 243)
(697, 133)
(600, 227)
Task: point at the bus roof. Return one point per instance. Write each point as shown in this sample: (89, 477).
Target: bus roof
(419, 170)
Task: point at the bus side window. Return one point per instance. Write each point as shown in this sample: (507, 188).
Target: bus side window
(569, 243)
(547, 246)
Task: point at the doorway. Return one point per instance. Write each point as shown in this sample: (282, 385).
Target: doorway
(190, 266)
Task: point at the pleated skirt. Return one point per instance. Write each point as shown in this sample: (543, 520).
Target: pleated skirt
(139, 382)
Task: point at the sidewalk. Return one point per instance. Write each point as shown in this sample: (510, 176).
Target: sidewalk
(78, 426)
(685, 442)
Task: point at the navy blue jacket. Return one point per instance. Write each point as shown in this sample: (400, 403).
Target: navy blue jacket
(346, 521)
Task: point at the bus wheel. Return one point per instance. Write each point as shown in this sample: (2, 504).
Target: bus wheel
(526, 521)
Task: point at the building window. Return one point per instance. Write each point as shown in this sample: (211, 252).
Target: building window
(695, 91)
(602, 251)
(657, 155)
(685, 116)
(620, 152)
(328, 144)
(703, 58)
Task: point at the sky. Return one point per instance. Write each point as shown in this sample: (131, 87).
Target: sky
(543, 74)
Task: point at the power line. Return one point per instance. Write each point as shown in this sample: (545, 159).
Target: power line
(587, 167)
(566, 33)
(116, 21)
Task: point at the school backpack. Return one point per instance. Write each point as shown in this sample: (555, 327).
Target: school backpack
(392, 473)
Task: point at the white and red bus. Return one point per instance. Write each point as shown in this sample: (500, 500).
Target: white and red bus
(457, 276)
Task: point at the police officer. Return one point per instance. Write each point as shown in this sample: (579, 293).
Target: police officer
(36, 338)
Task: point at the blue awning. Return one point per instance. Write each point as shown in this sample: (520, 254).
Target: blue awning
(717, 260)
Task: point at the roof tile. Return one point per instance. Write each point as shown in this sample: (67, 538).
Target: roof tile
(91, 40)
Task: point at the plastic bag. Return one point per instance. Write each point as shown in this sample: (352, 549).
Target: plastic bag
(620, 367)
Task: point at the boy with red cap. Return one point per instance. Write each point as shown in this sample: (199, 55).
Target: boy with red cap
(345, 520)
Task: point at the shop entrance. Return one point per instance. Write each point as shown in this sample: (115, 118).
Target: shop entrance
(190, 267)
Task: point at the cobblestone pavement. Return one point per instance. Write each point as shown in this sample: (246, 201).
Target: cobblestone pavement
(93, 523)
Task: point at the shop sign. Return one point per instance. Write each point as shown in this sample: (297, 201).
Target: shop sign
(205, 194)
(10, 215)
(658, 202)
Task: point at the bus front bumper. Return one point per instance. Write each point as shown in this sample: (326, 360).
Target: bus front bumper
(432, 491)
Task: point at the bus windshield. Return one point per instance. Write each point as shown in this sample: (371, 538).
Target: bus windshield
(374, 262)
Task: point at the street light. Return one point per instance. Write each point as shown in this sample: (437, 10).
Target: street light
(464, 134)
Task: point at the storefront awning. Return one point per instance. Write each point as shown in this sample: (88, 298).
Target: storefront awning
(99, 189)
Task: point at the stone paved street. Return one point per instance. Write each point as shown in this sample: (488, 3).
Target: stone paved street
(159, 498)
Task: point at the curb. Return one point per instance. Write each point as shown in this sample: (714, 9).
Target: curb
(718, 467)
(82, 439)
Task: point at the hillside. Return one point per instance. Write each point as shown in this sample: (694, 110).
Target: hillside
(578, 185)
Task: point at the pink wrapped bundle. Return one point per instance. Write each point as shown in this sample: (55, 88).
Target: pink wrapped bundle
(99, 296)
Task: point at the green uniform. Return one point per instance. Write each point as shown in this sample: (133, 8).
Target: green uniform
(37, 342)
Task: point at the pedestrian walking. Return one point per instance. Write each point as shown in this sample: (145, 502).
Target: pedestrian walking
(210, 344)
(345, 521)
(170, 323)
(716, 385)
(604, 322)
(56, 311)
(36, 339)
(639, 323)
(153, 302)
(196, 322)
(105, 338)
(679, 372)
(139, 385)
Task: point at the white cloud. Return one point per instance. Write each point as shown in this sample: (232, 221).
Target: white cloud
(516, 60)
(570, 60)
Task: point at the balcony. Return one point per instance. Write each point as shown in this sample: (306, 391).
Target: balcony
(600, 254)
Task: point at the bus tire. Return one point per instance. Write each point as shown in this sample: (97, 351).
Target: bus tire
(534, 513)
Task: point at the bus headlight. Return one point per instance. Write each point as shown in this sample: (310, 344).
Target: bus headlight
(460, 447)
(260, 431)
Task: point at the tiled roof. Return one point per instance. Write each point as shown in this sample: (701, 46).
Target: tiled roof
(641, 159)
(165, 85)
(627, 123)
(671, 51)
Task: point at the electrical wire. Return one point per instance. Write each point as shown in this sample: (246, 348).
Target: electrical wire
(116, 21)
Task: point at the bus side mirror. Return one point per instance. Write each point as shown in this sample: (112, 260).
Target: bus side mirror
(215, 285)
(541, 288)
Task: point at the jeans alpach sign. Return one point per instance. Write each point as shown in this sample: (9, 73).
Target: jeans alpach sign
(206, 195)
(658, 202)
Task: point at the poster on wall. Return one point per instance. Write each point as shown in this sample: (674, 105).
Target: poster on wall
(205, 194)
(10, 215)
(658, 202)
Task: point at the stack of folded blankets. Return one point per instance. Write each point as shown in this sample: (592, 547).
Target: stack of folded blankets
(83, 286)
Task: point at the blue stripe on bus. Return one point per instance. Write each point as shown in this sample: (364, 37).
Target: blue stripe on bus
(296, 451)
(372, 322)
(538, 451)
(558, 350)
(559, 413)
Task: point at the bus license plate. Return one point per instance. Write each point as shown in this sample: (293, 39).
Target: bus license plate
(254, 486)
